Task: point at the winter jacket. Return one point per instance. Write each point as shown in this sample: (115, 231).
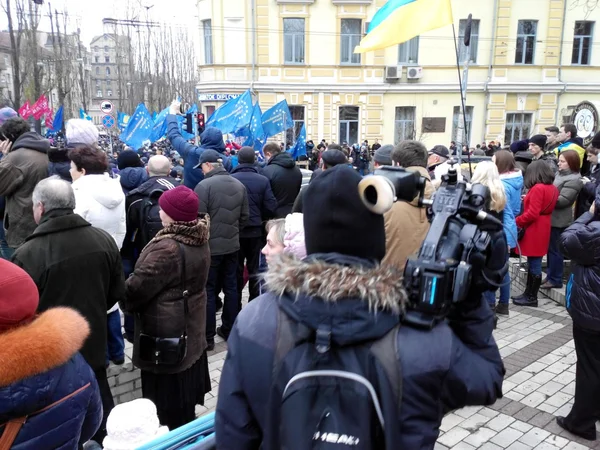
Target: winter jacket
(225, 200)
(536, 218)
(74, 264)
(262, 204)
(132, 244)
(550, 158)
(211, 139)
(99, 199)
(587, 195)
(569, 185)
(577, 145)
(132, 177)
(406, 226)
(51, 372)
(581, 244)
(155, 288)
(20, 171)
(513, 185)
(285, 179)
(444, 368)
(59, 163)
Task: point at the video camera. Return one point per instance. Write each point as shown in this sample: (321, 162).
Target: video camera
(442, 273)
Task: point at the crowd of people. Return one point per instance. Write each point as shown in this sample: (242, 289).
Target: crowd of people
(158, 234)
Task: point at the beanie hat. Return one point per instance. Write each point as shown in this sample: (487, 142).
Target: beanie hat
(539, 140)
(596, 140)
(6, 113)
(246, 155)
(336, 220)
(383, 155)
(81, 131)
(19, 296)
(180, 204)
(129, 158)
(293, 241)
(519, 146)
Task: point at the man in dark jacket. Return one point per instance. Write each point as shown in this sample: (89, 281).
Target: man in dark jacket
(341, 291)
(262, 206)
(284, 176)
(75, 265)
(225, 200)
(24, 164)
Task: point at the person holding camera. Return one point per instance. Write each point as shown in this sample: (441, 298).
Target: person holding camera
(167, 295)
(324, 356)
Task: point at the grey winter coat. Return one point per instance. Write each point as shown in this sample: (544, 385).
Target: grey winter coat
(569, 185)
(225, 200)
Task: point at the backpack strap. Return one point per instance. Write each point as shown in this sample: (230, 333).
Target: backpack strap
(386, 352)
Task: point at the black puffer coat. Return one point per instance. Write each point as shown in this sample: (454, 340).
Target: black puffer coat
(224, 199)
(286, 180)
(581, 244)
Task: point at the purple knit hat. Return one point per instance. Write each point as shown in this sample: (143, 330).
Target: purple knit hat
(6, 113)
(180, 204)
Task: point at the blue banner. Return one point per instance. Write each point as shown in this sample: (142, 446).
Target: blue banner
(232, 115)
(123, 120)
(254, 131)
(300, 148)
(159, 129)
(277, 119)
(57, 124)
(139, 128)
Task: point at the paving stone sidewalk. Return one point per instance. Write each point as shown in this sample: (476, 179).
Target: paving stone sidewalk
(537, 347)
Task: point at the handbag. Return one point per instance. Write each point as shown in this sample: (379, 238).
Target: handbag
(521, 230)
(161, 351)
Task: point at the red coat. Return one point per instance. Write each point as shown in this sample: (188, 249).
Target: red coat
(537, 219)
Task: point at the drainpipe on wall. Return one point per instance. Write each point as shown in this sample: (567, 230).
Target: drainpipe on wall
(560, 54)
(490, 66)
(254, 33)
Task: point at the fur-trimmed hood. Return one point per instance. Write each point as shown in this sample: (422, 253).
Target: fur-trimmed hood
(47, 342)
(189, 233)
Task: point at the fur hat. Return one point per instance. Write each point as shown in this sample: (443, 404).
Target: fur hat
(19, 297)
(180, 204)
(81, 131)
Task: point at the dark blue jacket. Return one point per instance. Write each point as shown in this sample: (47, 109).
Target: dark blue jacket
(262, 204)
(132, 177)
(35, 377)
(454, 365)
(581, 244)
(210, 139)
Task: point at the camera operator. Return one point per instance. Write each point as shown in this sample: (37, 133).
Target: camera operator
(339, 303)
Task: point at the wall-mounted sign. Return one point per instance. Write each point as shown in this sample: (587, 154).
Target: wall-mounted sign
(216, 97)
(585, 118)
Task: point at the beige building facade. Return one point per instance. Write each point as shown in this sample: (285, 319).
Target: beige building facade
(532, 63)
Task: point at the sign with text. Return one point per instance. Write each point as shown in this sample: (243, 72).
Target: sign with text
(216, 97)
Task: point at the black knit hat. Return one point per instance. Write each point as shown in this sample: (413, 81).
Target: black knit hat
(539, 140)
(335, 219)
(596, 140)
(246, 155)
(129, 158)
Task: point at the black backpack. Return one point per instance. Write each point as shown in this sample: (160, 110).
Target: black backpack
(149, 216)
(326, 397)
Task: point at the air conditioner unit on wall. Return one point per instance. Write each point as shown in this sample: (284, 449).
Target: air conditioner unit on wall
(414, 73)
(393, 73)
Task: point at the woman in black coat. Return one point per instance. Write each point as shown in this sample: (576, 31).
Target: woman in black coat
(581, 244)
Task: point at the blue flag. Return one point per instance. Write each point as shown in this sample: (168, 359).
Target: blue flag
(154, 115)
(159, 129)
(232, 115)
(139, 128)
(277, 119)
(58, 120)
(299, 149)
(123, 120)
(254, 130)
(83, 114)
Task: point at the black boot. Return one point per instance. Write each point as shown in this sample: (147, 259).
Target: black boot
(525, 294)
(531, 299)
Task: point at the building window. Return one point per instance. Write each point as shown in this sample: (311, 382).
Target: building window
(109, 92)
(526, 42)
(97, 70)
(405, 124)
(474, 40)
(582, 43)
(107, 82)
(97, 59)
(351, 35)
(293, 41)
(298, 117)
(455, 117)
(107, 59)
(108, 71)
(518, 127)
(208, 53)
(408, 52)
(210, 109)
(106, 49)
(349, 124)
(99, 93)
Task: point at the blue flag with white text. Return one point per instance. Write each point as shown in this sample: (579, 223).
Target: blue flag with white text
(254, 130)
(299, 149)
(232, 115)
(139, 128)
(159, 128)
(57, 124)
(277, 119)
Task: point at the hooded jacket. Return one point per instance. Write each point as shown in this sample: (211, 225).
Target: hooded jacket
(132, 177)
(99, 199)
(59, 163)
(569, 185)
(285, 179)
(211, 139)
(262, 204)
(444, 368)
(40, 367)
(20, 171)
(513, 186)
(577, 145)
(406, 226)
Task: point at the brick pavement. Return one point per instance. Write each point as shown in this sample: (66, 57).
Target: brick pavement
(538, 351)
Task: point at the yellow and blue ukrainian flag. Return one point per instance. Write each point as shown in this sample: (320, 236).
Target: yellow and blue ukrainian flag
(401, 20)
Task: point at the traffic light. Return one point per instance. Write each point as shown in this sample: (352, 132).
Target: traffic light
(188, 125)
(200, 119)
